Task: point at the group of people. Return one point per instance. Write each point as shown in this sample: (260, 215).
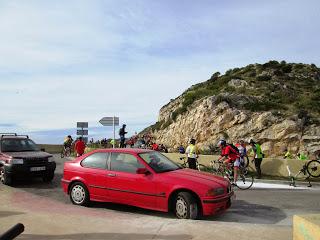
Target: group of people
(78, 146)
(230, 155)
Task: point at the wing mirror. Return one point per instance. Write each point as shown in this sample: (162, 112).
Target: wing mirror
(143, 171)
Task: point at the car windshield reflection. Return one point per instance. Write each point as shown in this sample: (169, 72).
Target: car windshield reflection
(158, 162)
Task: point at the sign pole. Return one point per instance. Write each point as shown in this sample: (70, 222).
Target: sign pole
(114, 133)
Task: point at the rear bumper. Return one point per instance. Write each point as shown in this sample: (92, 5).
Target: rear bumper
(216, 205)
(25, 171)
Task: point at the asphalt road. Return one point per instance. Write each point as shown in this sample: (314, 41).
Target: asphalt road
(268, 207)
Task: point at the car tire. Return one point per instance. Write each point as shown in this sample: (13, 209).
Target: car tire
(186, 206)
(5, 178)
(48, 177)
(79, 194)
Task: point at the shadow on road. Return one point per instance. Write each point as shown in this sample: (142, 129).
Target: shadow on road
(245, 212)
(126, 236)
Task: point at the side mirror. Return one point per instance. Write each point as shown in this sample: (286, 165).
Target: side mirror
(43, 149)
(142, 171)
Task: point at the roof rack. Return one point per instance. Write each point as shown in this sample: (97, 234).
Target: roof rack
(12, 134)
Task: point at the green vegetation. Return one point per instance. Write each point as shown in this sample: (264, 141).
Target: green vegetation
(285, 88)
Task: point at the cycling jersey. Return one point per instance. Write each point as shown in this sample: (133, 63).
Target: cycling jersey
(229, 152)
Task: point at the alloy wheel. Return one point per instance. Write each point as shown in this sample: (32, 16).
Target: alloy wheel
(78, 194)
(181, 208)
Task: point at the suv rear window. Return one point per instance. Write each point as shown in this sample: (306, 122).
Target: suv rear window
(18, 145)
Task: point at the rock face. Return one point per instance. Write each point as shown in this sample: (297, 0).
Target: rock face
(210, 119)
(277, 104)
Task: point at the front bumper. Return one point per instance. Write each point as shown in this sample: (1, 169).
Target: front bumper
(17, 170)
(212, 206)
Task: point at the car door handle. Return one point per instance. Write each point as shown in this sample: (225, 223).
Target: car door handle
(112, 174)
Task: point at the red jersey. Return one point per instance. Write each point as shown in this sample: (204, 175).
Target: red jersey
(79, 147)
(155, 147)
(230, 152)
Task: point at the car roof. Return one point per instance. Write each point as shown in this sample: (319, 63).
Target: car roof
(125, 150)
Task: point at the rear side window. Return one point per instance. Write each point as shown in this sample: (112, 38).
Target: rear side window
(124, 162)
(96, 160)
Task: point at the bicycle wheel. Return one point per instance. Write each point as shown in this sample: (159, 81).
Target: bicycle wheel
(245, 181)
(313, 168)
(62, 154)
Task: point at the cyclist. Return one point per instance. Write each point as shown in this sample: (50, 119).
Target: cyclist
(192, 153)
(67, 143)
(229, 155)
(257, 156)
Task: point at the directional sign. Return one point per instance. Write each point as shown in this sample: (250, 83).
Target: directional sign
(82, 124)
(109, 121)
(82, 132)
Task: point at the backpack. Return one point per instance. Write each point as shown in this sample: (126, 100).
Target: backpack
(234, 148)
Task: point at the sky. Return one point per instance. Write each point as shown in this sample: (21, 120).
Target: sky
(67, 61)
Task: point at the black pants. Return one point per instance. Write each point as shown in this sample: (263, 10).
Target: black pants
(192, 163)
(257, 164)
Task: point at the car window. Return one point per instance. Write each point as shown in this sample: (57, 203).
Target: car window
(158, 162)
(124, 162)
(18, 145)
(96, 160)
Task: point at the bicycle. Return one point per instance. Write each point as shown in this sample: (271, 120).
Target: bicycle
(66, 151)
(200, 167)
(310, 168)
(245, 178)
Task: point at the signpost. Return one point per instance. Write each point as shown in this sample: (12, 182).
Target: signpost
(83, 132)
(110, 121)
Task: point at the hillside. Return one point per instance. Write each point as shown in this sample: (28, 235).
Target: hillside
(274, 103)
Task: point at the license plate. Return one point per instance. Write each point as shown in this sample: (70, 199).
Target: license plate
(35, 169)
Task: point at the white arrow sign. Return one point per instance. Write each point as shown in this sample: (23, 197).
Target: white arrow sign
(109, 121)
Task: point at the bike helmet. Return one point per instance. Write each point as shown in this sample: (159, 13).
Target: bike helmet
(222, 143)
(69, 136)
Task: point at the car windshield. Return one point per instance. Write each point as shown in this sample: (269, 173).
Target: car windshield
(18, 145)
(158, 162)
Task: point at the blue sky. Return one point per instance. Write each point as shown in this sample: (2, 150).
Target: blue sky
(68, 61)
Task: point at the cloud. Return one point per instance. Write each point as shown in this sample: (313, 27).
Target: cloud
(68, 61)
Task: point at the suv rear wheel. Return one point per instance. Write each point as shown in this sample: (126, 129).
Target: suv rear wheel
(186, 206)
(5, 178)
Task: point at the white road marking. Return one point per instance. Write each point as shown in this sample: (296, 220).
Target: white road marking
(259, 185)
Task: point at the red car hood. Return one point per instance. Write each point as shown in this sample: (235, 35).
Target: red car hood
(197, 176)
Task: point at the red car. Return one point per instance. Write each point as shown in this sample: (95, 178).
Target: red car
(145, 179)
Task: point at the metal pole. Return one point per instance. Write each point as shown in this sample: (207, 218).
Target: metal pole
(114, 133)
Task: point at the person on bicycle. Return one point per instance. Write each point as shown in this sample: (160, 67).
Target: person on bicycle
(192, 154)
(229, 156)
(67, 143)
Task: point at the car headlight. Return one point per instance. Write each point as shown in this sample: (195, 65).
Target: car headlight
(215, 192)
(17, 161)
(50, 159)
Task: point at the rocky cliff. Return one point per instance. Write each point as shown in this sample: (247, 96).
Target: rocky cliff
(277, 104)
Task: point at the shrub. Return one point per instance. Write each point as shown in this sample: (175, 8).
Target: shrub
(263, 78)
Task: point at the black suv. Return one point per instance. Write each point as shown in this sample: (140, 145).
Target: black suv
(21, 157)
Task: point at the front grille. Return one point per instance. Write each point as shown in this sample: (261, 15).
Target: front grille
(35, 161)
